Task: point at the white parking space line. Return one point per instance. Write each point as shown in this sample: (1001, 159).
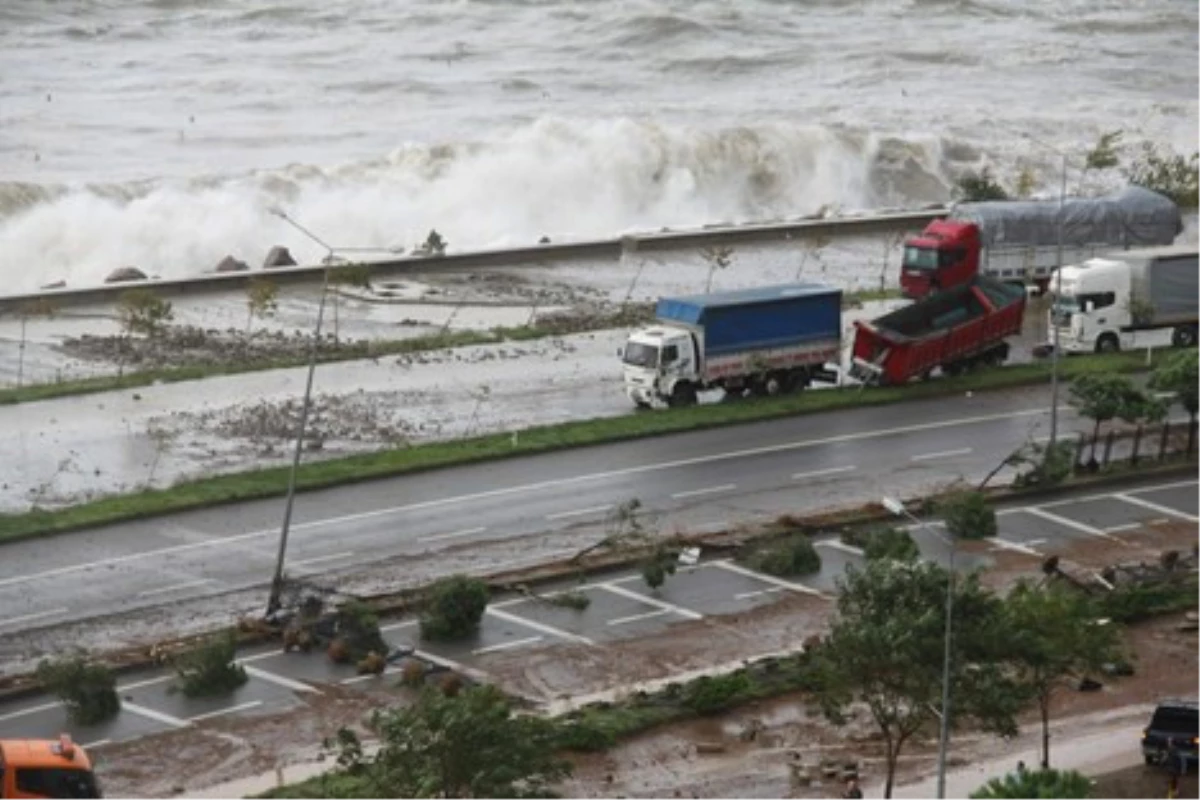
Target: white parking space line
(222, 711)
(728, 487)
(537, 626)
(580, 512)
(506, 645)
(1017, 547)
(836, 544)
(24, 712)
(759, 593)
(97, 743)
(129, 687)
(279, 680)
(942, 454)
(650, 601)
(816, 473)
(1108, 495)
(1137, 501)
(1069, 523)
(758, 576)
(395, 626)
(1128, 526)
(178, 587)
(30, 617)
(150, 713)
(635, 617)
(305, 562)
(437, 537)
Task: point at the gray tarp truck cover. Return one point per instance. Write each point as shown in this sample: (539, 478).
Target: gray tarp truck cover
(1133, 217)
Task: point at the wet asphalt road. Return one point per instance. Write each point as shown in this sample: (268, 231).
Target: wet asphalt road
(694, 480)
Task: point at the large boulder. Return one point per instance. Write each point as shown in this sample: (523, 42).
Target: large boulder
(124, 274)
(231, 264)
(279, 257)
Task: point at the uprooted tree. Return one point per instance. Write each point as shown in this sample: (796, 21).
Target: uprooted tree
(1054, 635)
(885, 653)
(967, 514)
(209, 668)
(87, 690)
(454, 609)
(625, 531)
(468, 744)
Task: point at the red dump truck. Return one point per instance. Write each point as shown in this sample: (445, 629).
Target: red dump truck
(954, 330)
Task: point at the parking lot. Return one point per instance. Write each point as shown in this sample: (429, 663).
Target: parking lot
(621, 609)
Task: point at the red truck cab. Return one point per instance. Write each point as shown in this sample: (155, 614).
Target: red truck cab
(944, 255)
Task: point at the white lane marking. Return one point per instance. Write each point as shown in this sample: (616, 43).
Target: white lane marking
(727, 487)
(150, 713)
(658, 612)
(30, 617)
(758, 576)
(538, 626)
(279, 680)
(962, 451)
(506, 645)
(612, 586)
(748, 595)
(408, 623)
(1137, 501)
(1128, 526)
(816, 473)
(24, 712)
(1069, 523)
(531, 487)
(437, 537)
(1005, 544)
(176, 588)
(304, 562)
(579, 512)
(836, 544)
(222, 711)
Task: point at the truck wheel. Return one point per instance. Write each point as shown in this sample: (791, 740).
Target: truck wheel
(953, 370)
(641, 405)
(684, 394)
(1108, 343)
(1184, 336)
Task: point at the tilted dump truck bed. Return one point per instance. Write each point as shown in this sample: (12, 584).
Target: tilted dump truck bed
(954, 330)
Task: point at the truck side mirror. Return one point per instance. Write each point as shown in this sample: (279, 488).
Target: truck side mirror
(620, 352)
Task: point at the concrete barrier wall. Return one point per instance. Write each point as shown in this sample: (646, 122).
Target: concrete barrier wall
(539, 255)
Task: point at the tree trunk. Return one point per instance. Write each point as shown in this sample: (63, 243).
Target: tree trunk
(21, 363)
(1095, 437)
(893, 756)
(1044, 702)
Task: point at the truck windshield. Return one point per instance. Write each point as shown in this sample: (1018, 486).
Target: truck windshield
(56, 782)
(641, 355)
(921, 258)
(1063, 309)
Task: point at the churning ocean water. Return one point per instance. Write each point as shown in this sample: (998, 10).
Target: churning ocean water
(159, 133)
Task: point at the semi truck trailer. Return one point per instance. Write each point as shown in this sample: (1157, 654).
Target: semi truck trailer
(766, 340)
(1102, 304)
(1018, 241)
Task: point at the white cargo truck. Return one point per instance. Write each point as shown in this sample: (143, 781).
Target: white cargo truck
(1102, 304)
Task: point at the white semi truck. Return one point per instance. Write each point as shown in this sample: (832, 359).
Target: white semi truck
(1102, 304)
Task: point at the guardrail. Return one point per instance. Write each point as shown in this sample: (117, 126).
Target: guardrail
(539, 255)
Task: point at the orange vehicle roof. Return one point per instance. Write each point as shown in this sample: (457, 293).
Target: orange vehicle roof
(40, 753)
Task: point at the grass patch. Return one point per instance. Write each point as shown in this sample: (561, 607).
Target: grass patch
(271, 482)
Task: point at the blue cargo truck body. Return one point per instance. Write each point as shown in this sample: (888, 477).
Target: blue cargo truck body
(765, 340)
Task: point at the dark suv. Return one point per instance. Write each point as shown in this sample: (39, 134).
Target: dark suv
(1177, 720)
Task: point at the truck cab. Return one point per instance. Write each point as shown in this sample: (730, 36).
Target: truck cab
(944, 255)
(1090, 305)
(45, 768)
(655, 360)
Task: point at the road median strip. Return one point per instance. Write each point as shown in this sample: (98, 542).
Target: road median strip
(272, 482)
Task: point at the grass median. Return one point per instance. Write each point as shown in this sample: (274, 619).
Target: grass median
(271, 482)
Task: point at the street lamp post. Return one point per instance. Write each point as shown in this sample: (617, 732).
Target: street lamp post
(897, 508)
(273, 601)
(1062, 212)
